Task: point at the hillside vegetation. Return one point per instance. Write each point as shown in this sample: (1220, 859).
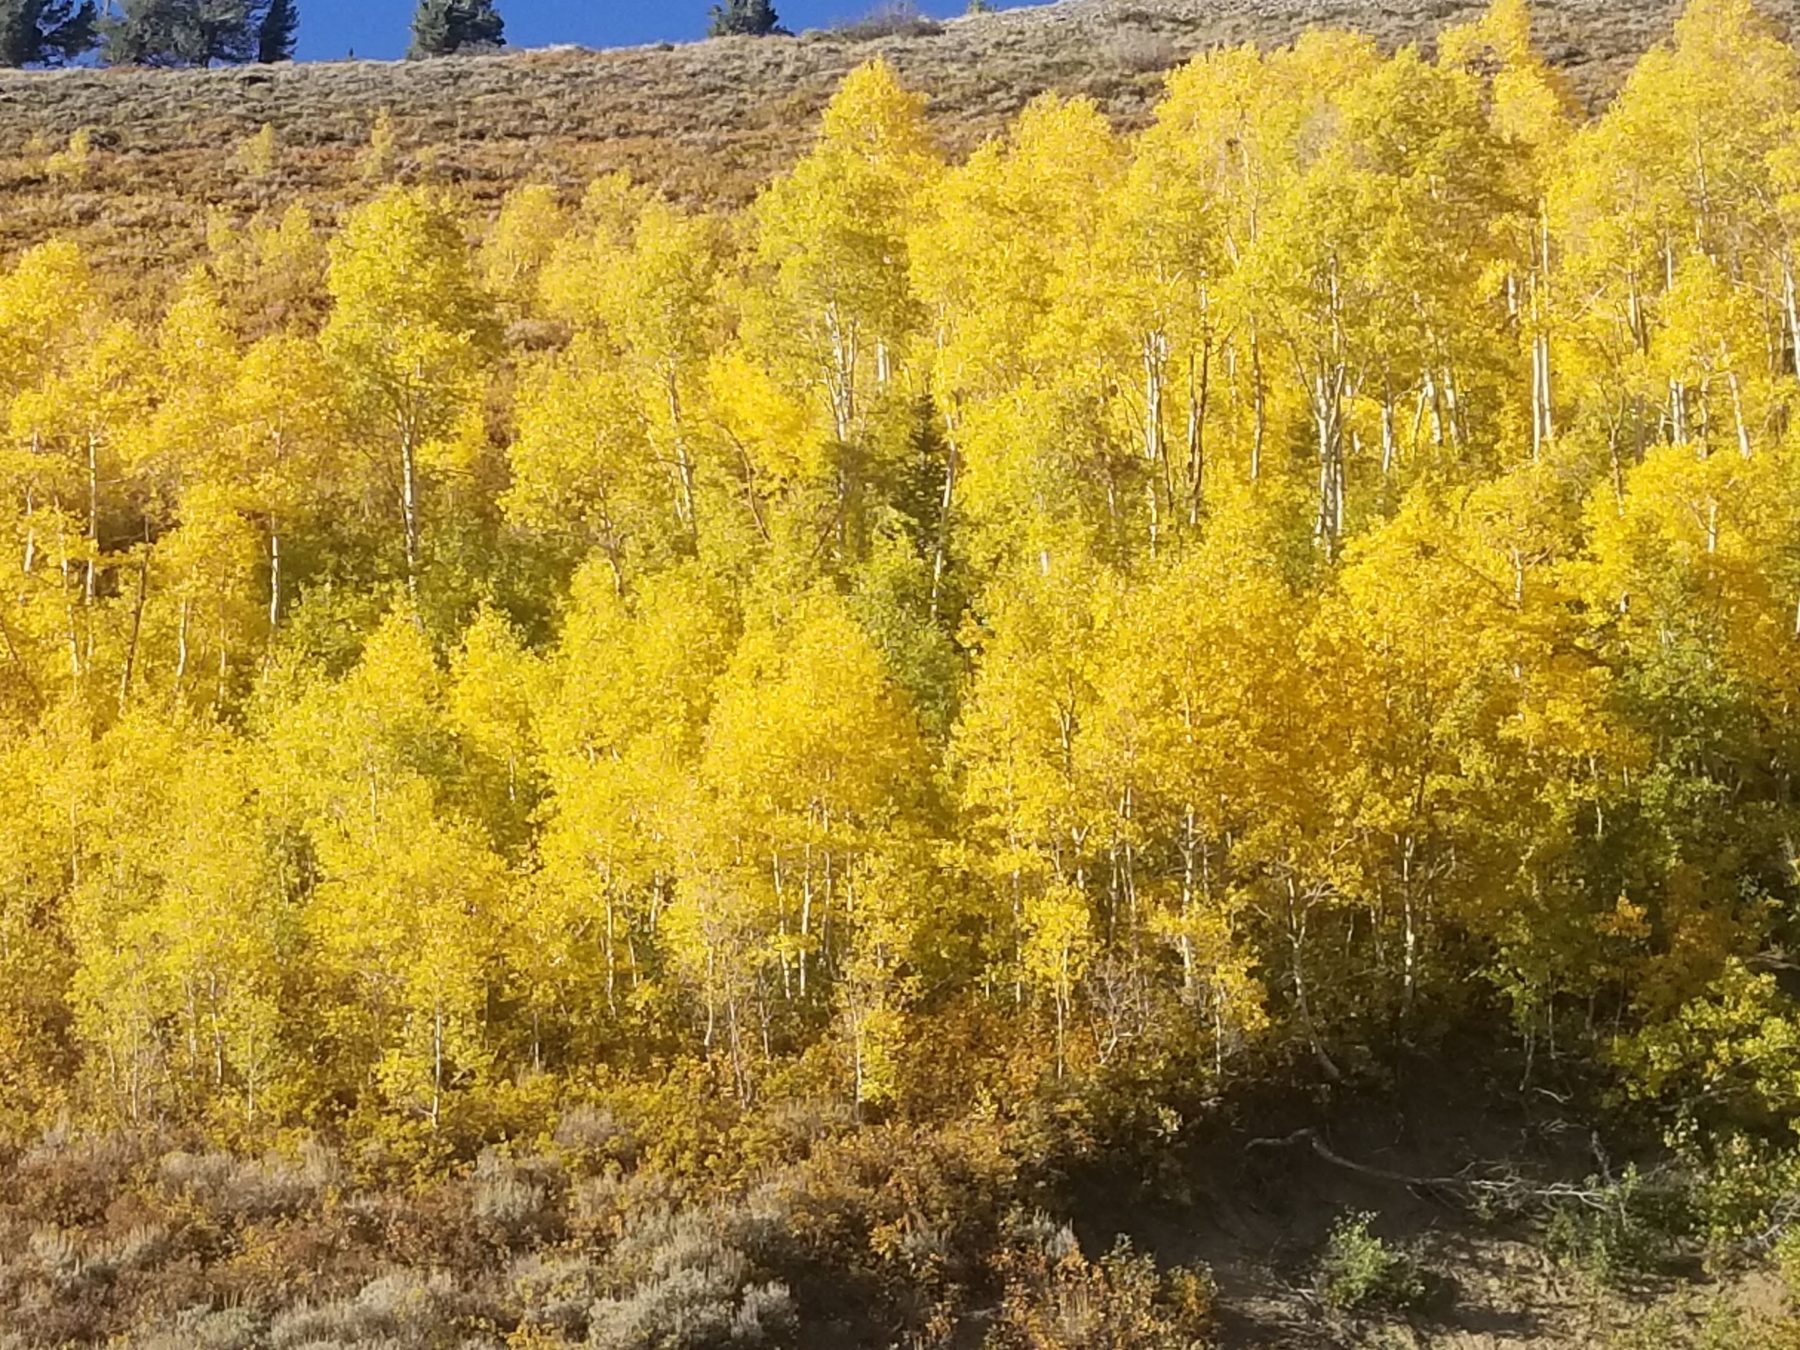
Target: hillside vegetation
(1136, 738)
(706, 122)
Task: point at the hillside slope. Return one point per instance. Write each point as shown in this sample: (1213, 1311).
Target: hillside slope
(707, 120)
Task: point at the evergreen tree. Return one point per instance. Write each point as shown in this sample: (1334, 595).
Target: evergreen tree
(275, 35)
(44, 32)
(181, 32)
(441, 27)
(744, 18)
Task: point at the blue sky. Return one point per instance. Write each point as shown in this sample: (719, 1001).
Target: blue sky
(329, 29)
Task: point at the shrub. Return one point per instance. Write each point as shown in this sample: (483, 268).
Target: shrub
(1142, 53)
(206, 1329)
(556, 1291)
(1732, 1190)
(608, 1205)
(693, 1308)
(1057, 1299)
(254, 1188)
(143, 1247)
(514, 1201)
(1359, 1270)
(401, 1308)
(71, 165)
(893, 18)
(691, 1286)
(1613, 1230)
(72, 1178)
(589, 1137)
(57, 1252)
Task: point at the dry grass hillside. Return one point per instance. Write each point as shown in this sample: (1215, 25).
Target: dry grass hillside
(705, 121)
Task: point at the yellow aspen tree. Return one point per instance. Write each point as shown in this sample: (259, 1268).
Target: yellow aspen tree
(407, 333)
(1462, 696)
(582, 463)
(491, 697)
(221, 930)
(620, 721)
(782, 473)
(286, 461)
(202, 569)
(120, 992)
(1686, 159)
(35, 958)
(1240, 118)
(1700, 605)
(814, 755)
(1057, 949)
(832, 235)
(573, 278)
(197, 356)
(1711, 347)
(717, 947)
(1397, 200)
(405, 910)
(403, 917)
(1143, 297)
(1533, 110)
(81, 423)
(47, 305)
(1193, 738)
(828, 306)
(888, 894)
(644, 278)
(984, 254)
(1027, 815)
(530, 225)
(271, 272)
(203, 613)
(48, 312)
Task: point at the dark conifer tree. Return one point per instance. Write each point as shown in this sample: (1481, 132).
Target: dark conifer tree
(275, 35)
(744, 18)
(441, 27)
(182, 32)
(45, 32)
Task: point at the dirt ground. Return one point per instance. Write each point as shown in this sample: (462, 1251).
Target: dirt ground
(1257, 1204)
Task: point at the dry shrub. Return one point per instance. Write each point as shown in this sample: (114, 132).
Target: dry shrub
(589, 1138)
(143, 1246)
(206, 1329)
(515, 1201)
(403, 1309)
(603, 1206)
(1057, 1299)
(890, 1226)
(555, 1291)
(72, 1178)
(1142, 52)
(241, 1189)
(891, 19)
(686, 1282)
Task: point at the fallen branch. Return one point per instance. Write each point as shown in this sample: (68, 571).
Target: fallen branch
(1310, 1136)
(1512, 1190)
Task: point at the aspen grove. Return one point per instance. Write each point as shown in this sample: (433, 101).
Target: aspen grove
(1211, 602)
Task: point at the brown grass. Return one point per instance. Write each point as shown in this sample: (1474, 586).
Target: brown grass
(706, 122)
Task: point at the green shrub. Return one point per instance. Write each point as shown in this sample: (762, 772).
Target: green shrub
(1613, 1230)
(1360, 1271)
